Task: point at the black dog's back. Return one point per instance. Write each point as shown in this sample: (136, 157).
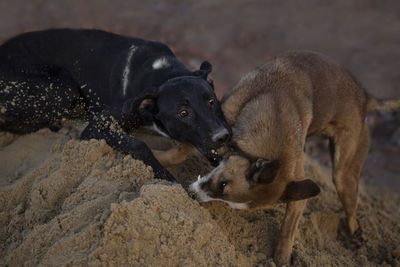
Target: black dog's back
(94, 59)
(62, 48)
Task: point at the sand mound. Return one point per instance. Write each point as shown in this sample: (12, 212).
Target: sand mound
(163, 228)
(69, 202)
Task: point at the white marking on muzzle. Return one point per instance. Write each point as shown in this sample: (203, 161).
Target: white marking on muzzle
(196, 186)
(160, 63)
(125, 74)
(204, 197)
(219, 133)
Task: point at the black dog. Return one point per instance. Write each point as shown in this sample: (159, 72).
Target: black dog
(121, 82)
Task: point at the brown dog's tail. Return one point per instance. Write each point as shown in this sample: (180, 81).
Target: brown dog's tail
(385, 105)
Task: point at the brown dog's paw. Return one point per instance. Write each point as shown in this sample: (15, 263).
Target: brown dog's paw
(282, 258)
(352, 226)
(350, 241)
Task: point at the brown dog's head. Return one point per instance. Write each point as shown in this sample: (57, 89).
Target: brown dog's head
(244, 185)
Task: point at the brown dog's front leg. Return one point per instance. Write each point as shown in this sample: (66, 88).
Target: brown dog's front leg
(294, 211)
(173, 156)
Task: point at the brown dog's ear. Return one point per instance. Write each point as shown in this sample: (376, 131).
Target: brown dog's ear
(263, 171)
(143, 102)
(300, 190)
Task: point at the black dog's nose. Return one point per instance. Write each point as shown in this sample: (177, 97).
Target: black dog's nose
(221, 136)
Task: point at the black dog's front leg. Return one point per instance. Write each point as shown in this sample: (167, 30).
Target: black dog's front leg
(105, 126)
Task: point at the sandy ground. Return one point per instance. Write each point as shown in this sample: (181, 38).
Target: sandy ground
(78, 203)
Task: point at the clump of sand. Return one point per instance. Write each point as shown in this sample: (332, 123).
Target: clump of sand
(70, 202)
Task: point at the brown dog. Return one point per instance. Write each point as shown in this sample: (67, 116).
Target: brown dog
(271, 111)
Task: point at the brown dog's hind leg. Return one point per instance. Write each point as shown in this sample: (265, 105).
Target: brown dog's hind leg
(350, 152)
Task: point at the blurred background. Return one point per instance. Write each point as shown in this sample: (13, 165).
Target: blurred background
(237, 36)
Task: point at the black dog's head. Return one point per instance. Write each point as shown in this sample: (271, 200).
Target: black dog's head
(185, 108)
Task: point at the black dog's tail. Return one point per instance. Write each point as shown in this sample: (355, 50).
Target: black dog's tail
(385, 105)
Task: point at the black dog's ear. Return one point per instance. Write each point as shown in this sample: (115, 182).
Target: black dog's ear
(144, 101)
(206, 66)
(205, 69)
(263, 171)
(300, 190)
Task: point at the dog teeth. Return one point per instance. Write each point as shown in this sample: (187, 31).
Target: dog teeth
(214, 152)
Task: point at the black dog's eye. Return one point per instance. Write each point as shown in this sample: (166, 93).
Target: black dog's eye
(221, 187)
(211, 101)
(183, 113)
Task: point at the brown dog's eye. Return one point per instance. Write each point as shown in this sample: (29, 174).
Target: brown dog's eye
(183, 113)
(211, 101)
